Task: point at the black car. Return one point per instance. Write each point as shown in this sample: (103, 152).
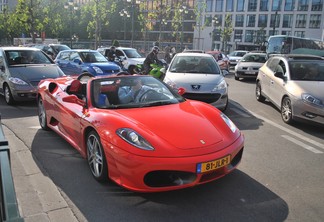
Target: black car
(52, 49)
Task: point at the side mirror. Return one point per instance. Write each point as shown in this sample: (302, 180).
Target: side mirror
(279, 75)
(74, 99)
(224, 72)
(181, 91)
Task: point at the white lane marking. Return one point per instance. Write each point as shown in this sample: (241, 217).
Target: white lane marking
(240, 112)
(320, 145)
(303, 145)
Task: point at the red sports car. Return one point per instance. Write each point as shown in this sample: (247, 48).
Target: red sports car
(139, 132)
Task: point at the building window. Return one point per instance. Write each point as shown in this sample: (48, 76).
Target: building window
(275, 19)
(252, 5)
(287, 21)
(250, 21)
(276, 5)
(249, 35)
(264, 5)
(263, 20)
(229, 5)
(300, 34)
(238, 35)
(240, 6)
(209, 5)
(219, 5)
(317, 5)
(302, 5)
(208, 20)
(289, 5)
(301, 21)
(315, 21)
(239, 20)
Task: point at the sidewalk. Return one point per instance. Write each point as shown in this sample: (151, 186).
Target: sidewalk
(38, 197)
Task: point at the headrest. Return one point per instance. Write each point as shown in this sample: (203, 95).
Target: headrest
(76, 86)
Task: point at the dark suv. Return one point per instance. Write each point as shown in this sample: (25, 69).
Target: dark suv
(52, 49)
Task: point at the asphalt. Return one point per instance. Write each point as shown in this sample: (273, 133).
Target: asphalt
(39, 199)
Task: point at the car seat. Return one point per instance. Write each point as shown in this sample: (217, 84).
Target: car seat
(75, 88)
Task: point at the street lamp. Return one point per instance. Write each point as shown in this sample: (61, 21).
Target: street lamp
(183, 10)
(133, 5)
(124, 13)
(214, 23)
(72, 7)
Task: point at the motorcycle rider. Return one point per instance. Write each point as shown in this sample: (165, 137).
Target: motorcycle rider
(151, 58)
(112, 54)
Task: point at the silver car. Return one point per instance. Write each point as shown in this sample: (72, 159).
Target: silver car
(294, 84)
(21, 69)
(249, 65)
(200, 76)
(235, 56)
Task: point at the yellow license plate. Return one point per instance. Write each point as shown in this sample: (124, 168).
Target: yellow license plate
(213, 165)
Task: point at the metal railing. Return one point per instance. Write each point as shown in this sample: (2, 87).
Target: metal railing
(8, 203)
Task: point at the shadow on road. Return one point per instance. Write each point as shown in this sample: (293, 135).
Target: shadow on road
(235, 197)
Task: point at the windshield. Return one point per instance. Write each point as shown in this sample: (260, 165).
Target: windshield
(93, 57)
(194, 64)
(24, 57)
(132, 53)
(312, 70)
(58, 48)
(132, 92)
(258, 58)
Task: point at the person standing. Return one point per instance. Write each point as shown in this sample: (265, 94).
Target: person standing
(167, 56)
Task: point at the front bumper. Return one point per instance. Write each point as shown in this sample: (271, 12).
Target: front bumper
(154, 174)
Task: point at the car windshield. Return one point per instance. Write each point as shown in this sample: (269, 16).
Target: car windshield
(258, 58)
(194, 64)
(93, 57)
(311, 70)
(26, 57)
(58, 48)
(132, 53)
(132, 92)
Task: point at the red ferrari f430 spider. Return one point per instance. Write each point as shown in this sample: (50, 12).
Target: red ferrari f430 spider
(139, 132)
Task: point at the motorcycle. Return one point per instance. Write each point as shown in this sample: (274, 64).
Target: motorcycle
(158, 70)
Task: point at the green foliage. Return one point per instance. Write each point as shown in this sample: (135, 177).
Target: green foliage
(116, 43)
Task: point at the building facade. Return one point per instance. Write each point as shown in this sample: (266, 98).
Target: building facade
(254, 21)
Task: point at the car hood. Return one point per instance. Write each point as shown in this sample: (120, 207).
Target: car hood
(187, 80)
(182, 126)
(250, 64)
(103, 65)
(35, 72)
(315, 88)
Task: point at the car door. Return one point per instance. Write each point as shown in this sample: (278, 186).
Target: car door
(2, 70)
(266, 74)
(277, 84)
(63, 61)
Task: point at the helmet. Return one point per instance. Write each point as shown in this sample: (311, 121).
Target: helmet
(113, 48)
(155, 49)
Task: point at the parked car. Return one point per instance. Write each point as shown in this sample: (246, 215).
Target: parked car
(52, 49)
(221, 59)
(130, 56)
(21, 69)
(201, 77)
(235, 56)
(192, 143)
(248, 66)
(78, 61)
(294, 84)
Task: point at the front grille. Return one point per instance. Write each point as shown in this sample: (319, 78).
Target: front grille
(34, 83)
(204, 97)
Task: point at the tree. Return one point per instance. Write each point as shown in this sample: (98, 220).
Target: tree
(226, 31)
(28, 14)
(199, 9)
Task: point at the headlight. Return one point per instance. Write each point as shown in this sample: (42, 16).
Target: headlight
(221, 85)
(132, 137)
(229, 122)
(17, 81)
(311, 99)
(97, 69)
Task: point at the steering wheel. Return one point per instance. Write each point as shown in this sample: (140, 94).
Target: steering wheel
(149, 95)
(84, 77)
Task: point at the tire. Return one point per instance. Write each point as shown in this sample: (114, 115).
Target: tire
(133, 70)
(96, 157)
(236, 77)
(258, 93)
(8, 95)
(42, 117)
(286, 110)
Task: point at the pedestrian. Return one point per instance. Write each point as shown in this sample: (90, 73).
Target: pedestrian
(167, 51)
